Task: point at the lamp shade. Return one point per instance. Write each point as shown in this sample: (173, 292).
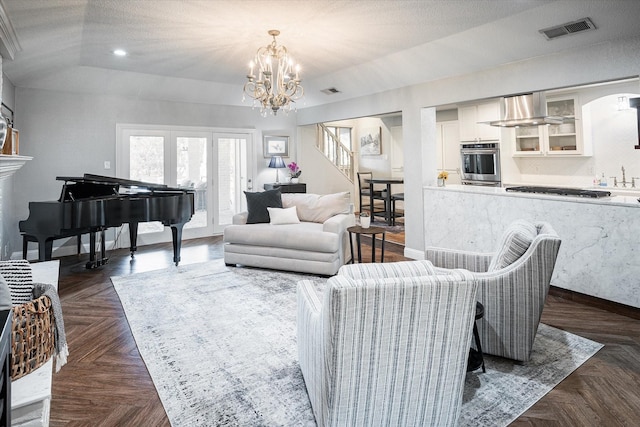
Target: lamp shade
(277, 162)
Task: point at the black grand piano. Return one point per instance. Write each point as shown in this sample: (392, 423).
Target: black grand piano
(93, 203)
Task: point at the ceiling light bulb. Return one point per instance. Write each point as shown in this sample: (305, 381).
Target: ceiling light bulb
(120, 52)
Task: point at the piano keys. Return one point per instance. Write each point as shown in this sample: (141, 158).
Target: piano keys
(93, 203)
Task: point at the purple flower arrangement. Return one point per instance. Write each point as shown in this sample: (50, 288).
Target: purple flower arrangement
(294, 170)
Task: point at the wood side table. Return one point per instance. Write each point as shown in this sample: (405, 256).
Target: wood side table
(358, 230)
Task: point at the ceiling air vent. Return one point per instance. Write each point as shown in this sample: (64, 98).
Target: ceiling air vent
(330, 91)
(578, 26)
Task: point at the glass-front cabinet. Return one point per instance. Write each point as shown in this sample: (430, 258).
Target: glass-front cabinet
(554, 140)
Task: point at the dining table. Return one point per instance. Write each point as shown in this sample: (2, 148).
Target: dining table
(388, 181)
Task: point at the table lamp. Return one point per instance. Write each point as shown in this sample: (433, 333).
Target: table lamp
(277, 162)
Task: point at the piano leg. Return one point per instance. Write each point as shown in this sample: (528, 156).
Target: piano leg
(176, 234)
(133, 236)
(45, 249)
(93, 263)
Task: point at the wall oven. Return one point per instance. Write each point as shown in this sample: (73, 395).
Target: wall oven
(480, 164)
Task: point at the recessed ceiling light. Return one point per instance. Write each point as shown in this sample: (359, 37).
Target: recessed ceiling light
(120, 52)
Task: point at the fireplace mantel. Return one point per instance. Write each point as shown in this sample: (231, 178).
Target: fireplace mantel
(10, 164)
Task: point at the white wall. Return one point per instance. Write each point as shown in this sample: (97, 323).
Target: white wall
(71, 134)
(320, 175)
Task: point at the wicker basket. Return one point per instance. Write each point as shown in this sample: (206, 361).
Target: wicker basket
(32, 336)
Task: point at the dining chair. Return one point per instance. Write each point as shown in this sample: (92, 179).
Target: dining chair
(364, 193)
(395, 213)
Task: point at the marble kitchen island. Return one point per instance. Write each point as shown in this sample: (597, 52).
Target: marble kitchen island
(599, 254)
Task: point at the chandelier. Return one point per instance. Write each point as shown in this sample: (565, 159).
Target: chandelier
(277, 84)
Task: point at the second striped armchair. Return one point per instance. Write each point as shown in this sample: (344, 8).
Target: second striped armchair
(513, 284)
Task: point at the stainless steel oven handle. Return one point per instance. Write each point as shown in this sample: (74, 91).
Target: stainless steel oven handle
(467, 151)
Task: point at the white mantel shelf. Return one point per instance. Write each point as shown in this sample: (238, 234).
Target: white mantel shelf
(10, 164)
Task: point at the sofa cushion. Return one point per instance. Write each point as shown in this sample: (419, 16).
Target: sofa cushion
(280, 216)
(515, 241)
(315, 207)
(257, 204)
(389, 269)
(305, 236)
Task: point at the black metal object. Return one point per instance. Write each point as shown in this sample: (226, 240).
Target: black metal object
(476, 357)
(561, 191)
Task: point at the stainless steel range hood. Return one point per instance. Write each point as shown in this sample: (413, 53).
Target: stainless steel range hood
(529, 109)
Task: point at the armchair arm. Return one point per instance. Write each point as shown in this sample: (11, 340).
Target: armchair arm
(310, 341)
(240, 218)
(392, 269)
(451, 258)
(339, 223)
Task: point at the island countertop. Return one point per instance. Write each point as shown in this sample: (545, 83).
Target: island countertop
(616, 199)
(599, 254)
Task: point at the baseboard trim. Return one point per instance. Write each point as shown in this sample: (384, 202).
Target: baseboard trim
(413, 253)
(610, 306)
(60, 251)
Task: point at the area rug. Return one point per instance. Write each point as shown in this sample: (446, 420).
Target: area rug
(219, 343)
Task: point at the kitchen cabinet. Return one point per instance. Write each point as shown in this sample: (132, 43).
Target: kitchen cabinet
(471, 117)
(448, 149)
(554, 140)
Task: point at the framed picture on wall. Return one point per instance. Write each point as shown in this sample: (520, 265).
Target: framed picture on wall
(371, 142)
(276, 146)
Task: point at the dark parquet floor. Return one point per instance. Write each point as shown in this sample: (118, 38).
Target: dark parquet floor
(106, 383)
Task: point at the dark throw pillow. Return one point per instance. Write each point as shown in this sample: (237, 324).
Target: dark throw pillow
(257, 204)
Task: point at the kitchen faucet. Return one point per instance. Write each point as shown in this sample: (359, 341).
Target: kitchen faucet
(624, 180)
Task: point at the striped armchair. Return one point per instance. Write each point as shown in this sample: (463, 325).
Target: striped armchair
(386, 344)
(512, 285)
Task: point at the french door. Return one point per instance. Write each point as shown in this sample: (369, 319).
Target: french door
(215, 164)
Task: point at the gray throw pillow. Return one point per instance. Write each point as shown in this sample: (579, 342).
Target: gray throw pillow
(257, 204)
(516, 240)
(17, 274)
(5, 295)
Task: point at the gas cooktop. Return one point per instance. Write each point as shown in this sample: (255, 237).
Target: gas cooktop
(561, 191)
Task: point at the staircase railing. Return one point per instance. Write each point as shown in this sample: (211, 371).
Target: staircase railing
(334, 150)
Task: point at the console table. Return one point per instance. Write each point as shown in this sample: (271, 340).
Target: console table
(287, 187)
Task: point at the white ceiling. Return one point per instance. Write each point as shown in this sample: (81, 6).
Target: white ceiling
(198, 50)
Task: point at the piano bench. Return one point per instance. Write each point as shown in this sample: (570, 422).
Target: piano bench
(26, 238)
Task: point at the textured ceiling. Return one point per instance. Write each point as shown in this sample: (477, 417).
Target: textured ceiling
(198, 51)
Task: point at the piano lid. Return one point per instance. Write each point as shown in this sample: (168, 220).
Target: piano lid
(109, 180)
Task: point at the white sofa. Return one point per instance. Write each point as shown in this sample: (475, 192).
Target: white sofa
(317, 244)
